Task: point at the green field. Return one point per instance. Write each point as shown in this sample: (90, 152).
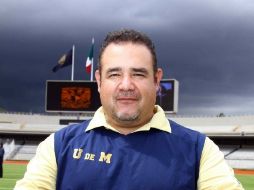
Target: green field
(13, 172)
(247, 181)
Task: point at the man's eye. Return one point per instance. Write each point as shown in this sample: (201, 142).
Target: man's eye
(113, 75)
(139, 74)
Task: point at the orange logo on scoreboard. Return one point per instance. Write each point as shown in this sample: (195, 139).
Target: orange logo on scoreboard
(75, 97)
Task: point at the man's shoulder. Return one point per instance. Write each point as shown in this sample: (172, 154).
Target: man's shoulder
(185, 132)
(72, 130)
(66, 134)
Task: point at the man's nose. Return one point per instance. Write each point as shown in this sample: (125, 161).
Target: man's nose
(126, 83)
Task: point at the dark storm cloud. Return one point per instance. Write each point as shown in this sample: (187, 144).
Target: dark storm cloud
(206, 45)
(212, 58)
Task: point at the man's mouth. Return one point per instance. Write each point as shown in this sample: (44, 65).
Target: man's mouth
(126, 100)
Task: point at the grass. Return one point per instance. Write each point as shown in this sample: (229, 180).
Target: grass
(13, 172)
(247, 181)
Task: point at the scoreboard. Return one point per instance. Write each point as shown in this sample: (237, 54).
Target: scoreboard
(167, 95)
(72, 96)
(83, 96)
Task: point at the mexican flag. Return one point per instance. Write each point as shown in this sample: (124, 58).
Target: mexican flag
(89, 60)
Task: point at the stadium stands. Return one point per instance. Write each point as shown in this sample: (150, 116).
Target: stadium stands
(46, 124)
(243, 157)
(233, 134)
(9, 146)
(15, 128)
(25, 152)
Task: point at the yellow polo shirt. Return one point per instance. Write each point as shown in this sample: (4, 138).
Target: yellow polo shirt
(214, 173)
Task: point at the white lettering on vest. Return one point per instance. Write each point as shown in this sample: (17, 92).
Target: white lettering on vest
(105, 157)
(77, 153)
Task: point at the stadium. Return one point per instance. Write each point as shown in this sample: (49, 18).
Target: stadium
(22, 132)
(206, 45)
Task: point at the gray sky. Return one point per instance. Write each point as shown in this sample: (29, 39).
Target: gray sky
(207, 45)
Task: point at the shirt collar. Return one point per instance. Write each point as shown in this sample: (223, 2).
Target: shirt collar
(158, 121)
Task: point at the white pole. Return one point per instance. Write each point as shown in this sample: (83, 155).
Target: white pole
(72, 67)
(91, 76)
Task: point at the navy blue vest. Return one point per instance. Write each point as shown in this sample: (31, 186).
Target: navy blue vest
(104, 159)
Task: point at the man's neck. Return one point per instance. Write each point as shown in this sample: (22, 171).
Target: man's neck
(126, 128)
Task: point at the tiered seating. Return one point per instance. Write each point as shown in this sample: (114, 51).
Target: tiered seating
(242, 158)
(239, 155)
(227, 149)
(26, 152)
(16, 128)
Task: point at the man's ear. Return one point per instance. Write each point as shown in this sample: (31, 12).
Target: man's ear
(158, 76)
(98, 79)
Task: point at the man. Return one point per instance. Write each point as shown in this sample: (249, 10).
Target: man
(129, 143)
(1, 159)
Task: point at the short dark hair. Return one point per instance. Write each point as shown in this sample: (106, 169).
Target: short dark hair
(128, 35)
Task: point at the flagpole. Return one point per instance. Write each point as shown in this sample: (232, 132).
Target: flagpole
(72, 67)
(91, 76)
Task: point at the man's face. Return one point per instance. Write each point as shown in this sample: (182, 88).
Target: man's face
(127, 84)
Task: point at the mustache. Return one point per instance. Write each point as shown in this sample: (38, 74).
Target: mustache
(127, 94)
